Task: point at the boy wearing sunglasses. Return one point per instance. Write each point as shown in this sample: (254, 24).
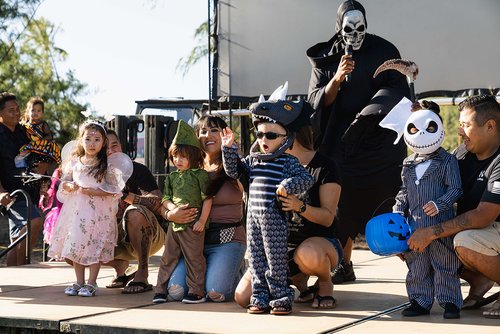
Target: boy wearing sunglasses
(270, 172)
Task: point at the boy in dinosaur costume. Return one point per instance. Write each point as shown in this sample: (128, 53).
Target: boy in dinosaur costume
(270, 172)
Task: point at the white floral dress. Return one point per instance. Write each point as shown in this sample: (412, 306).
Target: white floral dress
(86, 229)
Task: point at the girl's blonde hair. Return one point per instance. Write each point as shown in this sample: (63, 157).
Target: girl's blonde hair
(98, 170)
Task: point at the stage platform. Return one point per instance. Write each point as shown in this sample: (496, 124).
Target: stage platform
(32, 301)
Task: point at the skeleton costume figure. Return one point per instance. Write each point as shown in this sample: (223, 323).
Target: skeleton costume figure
(267, 226)
(346, 130)
(431, 184)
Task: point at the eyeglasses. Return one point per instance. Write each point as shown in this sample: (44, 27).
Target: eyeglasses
(268, 135)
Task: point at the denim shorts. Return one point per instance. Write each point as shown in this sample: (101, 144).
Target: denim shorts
(17, 215)
(294, 268)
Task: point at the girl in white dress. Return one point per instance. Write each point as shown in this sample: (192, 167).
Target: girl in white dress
(86, 230)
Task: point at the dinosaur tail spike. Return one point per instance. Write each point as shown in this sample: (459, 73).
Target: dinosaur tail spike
(404, 66)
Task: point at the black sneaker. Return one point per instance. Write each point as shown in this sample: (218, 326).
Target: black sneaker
(159, 298)
(192, 298)
(414, 310)
(343, 273)
(451, 311)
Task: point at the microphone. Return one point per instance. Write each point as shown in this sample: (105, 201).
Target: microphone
(348, 51)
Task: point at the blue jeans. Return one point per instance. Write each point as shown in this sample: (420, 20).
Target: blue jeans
(224, 264)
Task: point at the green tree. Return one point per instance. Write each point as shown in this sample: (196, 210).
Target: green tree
(198, 52)
(28, 67)
(14, 9)
(450, 123)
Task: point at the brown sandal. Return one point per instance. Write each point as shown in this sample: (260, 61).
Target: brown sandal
(254, 309)
(281, 310)
(121, 281)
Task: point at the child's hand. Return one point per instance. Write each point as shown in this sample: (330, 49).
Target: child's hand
(281, 191)
(227, 137)
(430, 209)
(70, 186)
(198, 226)
(290, 203)
(401, 257)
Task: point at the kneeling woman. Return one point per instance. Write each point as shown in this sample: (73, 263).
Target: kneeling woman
(315, 250)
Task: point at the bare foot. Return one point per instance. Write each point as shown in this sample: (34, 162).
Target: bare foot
(300, 281)
(141, 275)
(494, 311)
(479, 284)
(324, 297)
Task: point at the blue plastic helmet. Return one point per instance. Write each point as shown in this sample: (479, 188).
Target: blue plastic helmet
(387, 234)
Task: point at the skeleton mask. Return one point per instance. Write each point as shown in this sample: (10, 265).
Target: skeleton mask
(424, 132)
(353, 28)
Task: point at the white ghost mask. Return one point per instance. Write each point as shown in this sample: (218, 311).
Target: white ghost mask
(424, 132)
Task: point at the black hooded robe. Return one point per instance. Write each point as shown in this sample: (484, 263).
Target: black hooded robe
(368, 159)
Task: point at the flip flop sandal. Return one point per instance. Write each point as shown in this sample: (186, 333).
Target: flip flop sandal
(323, 299)
(254, 309)
(308, 295)
(143, 287)
(479, 301)
(281, 310)
(493, 312)
(120, 281)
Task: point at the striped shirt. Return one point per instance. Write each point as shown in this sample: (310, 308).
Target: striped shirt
(266, 175)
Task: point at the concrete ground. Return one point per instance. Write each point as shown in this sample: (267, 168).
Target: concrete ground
(32, 297)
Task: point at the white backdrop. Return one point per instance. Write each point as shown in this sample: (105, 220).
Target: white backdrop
(262, 43)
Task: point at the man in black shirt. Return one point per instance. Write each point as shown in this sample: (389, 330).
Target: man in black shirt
(12, 138)
(139, 232)
(477, 225)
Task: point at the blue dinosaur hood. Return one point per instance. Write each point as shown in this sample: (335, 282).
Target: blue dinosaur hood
(291, 115)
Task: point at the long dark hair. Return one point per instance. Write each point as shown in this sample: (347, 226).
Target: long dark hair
(216, 183)
(305, 137)
(98, 171)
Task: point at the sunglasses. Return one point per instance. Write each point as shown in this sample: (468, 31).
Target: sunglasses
(268, 135)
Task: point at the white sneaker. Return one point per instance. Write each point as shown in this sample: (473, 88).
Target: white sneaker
(72, 290)
(88, 290)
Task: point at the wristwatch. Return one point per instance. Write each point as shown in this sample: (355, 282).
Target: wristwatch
(302, 208)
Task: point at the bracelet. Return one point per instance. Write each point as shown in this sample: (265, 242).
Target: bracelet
(166, 213)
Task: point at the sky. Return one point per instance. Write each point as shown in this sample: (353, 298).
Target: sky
(127, 50)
